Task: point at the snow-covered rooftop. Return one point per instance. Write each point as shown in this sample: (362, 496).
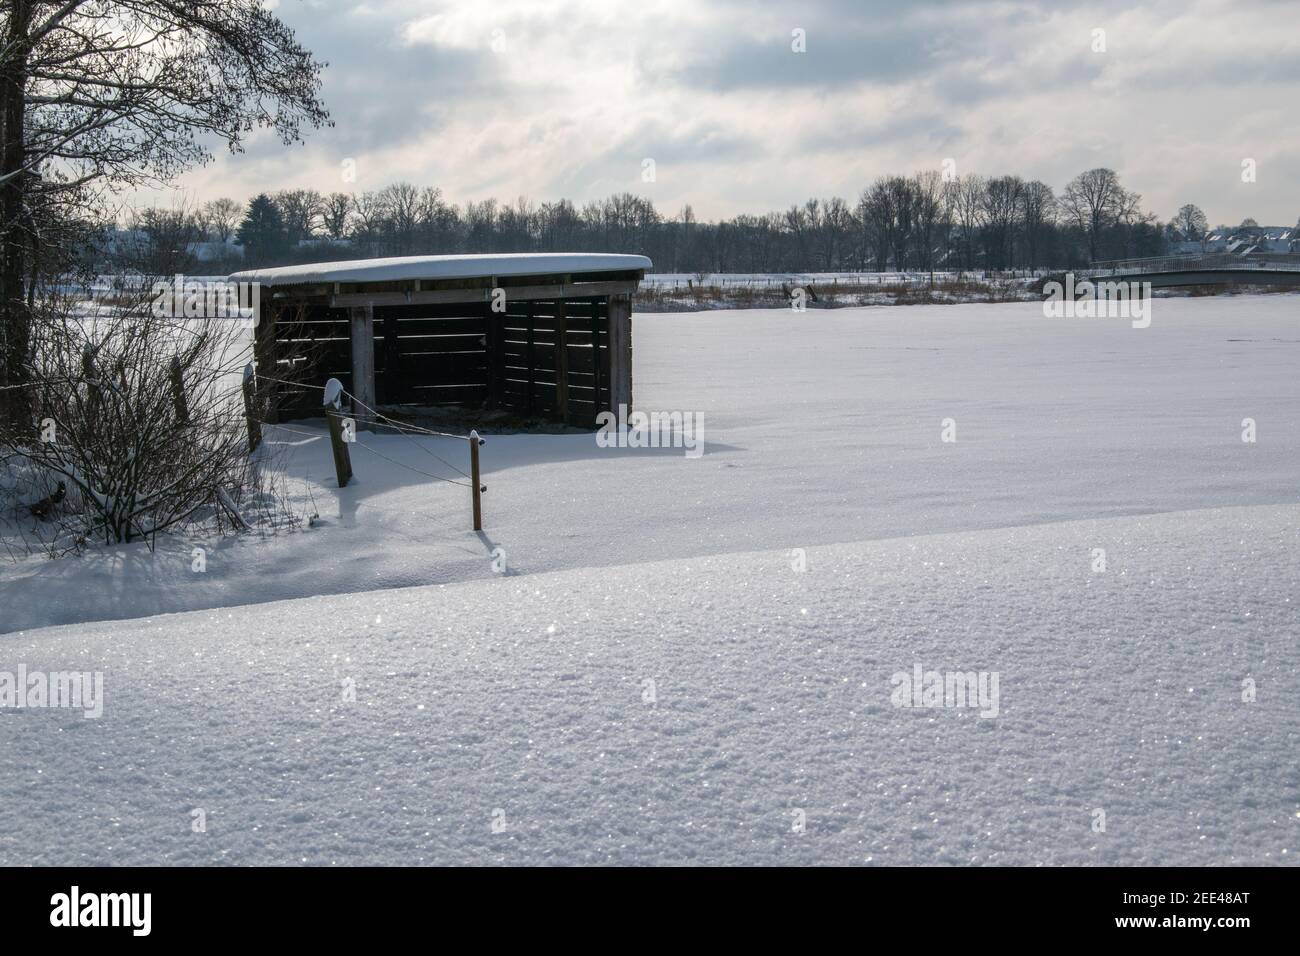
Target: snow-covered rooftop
(444, 267)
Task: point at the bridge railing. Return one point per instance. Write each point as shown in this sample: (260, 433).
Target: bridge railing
(1195, 262)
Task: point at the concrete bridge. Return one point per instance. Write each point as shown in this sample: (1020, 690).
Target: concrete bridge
(1210, 269)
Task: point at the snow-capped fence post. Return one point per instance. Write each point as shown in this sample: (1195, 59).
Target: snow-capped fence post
(178, 391)
(478, 489)
(333, 402)
(254, 423)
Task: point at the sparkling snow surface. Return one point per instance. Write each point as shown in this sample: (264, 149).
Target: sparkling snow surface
(653, 681)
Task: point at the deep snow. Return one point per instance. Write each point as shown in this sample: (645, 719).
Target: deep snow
(819, 427)
(524, 700)
(526, 692)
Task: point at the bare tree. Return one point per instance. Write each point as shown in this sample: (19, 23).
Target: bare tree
(120, 92)
(336, 208)
(1094, 201)
(880, 215)
(300, 210)
(1190, 221)
(403, 216)
(161, 241)
(968, 202)
(222, 217)
(1000, 206)
(931, 207)
(1037, 213)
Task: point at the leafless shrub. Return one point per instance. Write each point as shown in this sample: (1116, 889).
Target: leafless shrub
(139, 420)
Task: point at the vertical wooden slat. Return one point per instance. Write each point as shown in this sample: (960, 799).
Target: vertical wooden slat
(532, 355)
(495, 343)
(561, 362)
(393, 391)
(595, 360)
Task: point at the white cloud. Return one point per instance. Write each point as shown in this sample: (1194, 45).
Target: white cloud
(575, 95)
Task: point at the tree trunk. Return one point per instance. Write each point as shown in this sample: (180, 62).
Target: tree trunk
(15, 316)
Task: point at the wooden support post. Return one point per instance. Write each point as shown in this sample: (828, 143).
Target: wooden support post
(619, 343)
(478, 488)
(264, 354)
(178, 391)
(363, 358)
(333, 403)
(561, 361)
(250, 408)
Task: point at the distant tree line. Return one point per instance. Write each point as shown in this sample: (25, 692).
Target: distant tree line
(922, 222)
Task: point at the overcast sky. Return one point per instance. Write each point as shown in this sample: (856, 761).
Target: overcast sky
(551, 98)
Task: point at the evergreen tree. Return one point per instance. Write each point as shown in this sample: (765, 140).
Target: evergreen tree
(262, 233)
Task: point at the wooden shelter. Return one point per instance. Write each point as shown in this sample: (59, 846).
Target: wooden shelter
(546, 336)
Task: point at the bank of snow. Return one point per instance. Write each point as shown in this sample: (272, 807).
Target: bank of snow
(526, 701)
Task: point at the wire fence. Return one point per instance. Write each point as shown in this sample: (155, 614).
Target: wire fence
(375, 418)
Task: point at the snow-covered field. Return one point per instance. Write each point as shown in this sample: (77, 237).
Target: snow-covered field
(653, 680)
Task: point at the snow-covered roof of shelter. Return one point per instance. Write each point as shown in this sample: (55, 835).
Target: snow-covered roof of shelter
(444, 267)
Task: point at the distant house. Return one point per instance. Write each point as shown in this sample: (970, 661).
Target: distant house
(1215, 242)
(215, 250)
(324, 242)
(124, 240)
(1277, 240)
(1252, 240)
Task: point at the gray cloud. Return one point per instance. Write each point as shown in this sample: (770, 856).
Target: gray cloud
(580, 92)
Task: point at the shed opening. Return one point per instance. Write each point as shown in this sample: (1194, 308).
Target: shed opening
(541, 336)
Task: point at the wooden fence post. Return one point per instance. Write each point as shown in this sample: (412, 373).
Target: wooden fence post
(92, 383)
(178, 391)
(254, 424)
(334, 418)
(474, 442)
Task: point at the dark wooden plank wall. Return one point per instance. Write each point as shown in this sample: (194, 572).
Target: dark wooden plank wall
(312, 344)
(460, 354)
(531, 359)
